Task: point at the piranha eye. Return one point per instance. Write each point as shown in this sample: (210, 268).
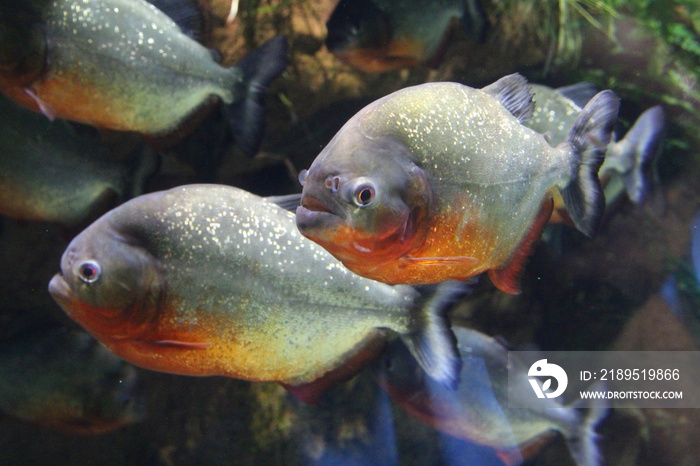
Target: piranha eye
(89, 272)
(302, 176)
(364, 195)
(333, 183)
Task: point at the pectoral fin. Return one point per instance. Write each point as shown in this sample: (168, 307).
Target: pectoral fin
(442, 261)
(507, 278)
(182, 344)
(46, 108)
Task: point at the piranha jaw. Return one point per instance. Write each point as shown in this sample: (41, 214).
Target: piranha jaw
(143, 345)
(314, 215)
(357, 249)
(61, 292)
(102, 323)
(319, 223)
(386, 231)
(95, 321)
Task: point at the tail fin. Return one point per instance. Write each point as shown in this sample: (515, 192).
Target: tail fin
(633, 156)
(589, 139)
(583, 441)
(246, 115)
(432, 342)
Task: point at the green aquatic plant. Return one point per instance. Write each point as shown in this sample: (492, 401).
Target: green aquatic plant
(562, 25)
(572, 16)
(558, 24)
(677, 22)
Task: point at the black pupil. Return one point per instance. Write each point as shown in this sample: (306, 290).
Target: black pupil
(89, 272)
(365, 195)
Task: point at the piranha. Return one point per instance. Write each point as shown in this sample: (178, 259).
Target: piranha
(442, 181)
(212, 280)
(125, 65)
(51, 173)
(629, 159)
(383, 35)
(478, 411)
(64, 379)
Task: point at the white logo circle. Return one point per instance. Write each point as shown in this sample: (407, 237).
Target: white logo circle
(542, 368)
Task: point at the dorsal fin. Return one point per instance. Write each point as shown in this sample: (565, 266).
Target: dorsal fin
(288, 202)
(513, 92)
(507, 279)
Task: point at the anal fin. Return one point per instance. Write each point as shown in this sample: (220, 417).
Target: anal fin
(510, 457)
(507, 279)
(526, 450)
(46, 108)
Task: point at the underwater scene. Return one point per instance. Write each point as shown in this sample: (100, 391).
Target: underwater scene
(310, 232)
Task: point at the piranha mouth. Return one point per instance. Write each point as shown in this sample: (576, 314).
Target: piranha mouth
(314, 215)
(60, 291)
(314, 205)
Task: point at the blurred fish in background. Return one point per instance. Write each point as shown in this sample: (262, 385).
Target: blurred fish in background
(125, 65)
(478, 411)
(383, 35)
(65, 379)
(50, 172)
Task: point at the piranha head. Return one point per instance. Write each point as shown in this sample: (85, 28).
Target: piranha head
(108, 284)
(363, 199)
(357, 25)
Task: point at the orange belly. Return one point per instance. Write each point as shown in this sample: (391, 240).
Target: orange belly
(449, 251)
(76, 101)
(400, 53)
(69, 97)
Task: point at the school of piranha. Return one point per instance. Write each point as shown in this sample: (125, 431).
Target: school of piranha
(419, 200)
